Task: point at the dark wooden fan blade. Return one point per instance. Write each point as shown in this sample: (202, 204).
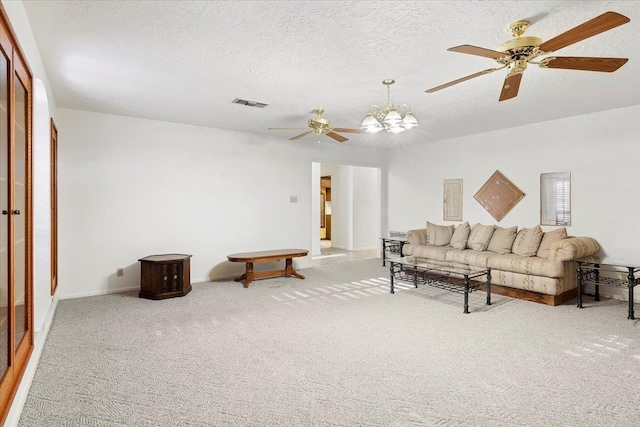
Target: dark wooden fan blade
(300, 136)
(460, 80)
(511, 86)
(478, 51)
(607, 65)
(597, 25)
(337, 137)
(349, 130)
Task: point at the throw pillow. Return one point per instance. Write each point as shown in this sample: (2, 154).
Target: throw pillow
(480, 237)
(527, 241)
(460, 236)
(548, 238)
(439, 235)
(502, 240)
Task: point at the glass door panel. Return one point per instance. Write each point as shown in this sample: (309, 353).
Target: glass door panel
(4, 217)
(18, 214)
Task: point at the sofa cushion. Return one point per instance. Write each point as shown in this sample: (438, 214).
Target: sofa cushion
(527, 241)
(527, 265)
(548, 238)
(502, 240)
(429, 252)
(480, 237)
(439, 235)
(573, 248)
(470, 256)
(460, 236)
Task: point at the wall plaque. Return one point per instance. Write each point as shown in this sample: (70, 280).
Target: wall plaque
(452, 200)
(499, 195)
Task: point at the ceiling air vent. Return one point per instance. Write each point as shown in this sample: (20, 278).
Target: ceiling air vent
(249, 103)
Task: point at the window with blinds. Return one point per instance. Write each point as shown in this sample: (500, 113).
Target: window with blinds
(555, 198)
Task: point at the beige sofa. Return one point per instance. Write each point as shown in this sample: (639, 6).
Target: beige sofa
(527, 263)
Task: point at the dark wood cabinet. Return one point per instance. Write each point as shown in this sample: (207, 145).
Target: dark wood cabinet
(165, 276)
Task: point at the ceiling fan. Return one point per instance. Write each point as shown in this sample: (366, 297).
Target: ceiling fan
(517, 53)
(321, 126)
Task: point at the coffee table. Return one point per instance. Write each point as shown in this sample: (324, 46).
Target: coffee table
(451, 276)
(263, 256)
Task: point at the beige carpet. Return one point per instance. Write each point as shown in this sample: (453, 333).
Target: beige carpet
(335, 349)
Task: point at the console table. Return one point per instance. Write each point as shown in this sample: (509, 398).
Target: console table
(392, 248)
(449, 276)
(165, 276)
(607, 272)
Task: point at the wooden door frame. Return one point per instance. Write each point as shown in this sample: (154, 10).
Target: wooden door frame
(54, 206)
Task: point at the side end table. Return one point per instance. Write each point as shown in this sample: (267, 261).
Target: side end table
(392, 248)
(603, 272)
(165, 276)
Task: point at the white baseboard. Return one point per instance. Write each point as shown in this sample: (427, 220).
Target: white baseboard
(13, 417)
(100, 292)
(366, 249)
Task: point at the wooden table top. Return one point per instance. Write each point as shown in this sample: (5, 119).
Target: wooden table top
(165, 257)
(267, 255)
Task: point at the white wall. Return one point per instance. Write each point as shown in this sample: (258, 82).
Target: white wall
(315, 208)
(601, 151)
(41, 204)
(130, 187)
(366, 208)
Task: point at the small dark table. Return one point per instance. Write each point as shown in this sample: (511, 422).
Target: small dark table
(606, 272)
(165, 276)
(392, 248)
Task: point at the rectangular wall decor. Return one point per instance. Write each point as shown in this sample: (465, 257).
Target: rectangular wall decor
(499, 195)
(452, 200)
(555, 198)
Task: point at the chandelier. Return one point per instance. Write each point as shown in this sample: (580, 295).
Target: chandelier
(388, 118)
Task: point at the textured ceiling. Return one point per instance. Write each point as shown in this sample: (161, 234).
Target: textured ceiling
(185, 61)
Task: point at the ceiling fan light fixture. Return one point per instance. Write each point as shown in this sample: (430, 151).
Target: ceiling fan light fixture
(369, 121)
(392, 117)
(395, 129)
(409, 121)
(388, 118)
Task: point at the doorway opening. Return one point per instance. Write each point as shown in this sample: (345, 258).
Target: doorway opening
(325, 212)
(346, 210)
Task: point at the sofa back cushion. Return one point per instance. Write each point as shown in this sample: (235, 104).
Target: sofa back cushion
(527, 241)
(439, 235)
(460, 236)
(548, 238)
(502, 240)
(480, 237)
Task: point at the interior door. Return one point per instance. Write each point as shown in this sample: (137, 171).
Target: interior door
(19, 211)
(5, 343)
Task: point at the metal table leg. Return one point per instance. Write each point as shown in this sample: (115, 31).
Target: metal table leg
(466, 294)
(579, 274)
(596, 297)
(632, 282)
(489, 286)
(391, 276)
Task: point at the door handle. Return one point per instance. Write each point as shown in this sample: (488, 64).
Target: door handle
(4, 212)
(15, 212)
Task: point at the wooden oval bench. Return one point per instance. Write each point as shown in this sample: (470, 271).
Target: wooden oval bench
(262, 256)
